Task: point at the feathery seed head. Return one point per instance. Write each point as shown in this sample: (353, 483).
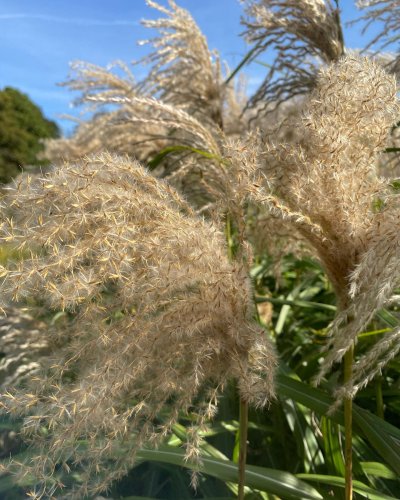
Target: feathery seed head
(161, 318)
(184, 72)
(184, 76)
(303, 33)
(328, 187)
(387, 13)
(331, 176)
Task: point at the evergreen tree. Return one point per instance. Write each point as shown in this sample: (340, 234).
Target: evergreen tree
(22, 127)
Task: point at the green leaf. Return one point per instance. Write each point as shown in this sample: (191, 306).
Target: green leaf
(382, 436)
(246, 59)
(303, 434)
(388, 318)
(359, 487)
(298, 303)
(284, 312)
(207, 448)
(154, 162)
(373, 332)
(271, 481)
(180, 431)
(377, 469)
(311, 397)
(332, 446)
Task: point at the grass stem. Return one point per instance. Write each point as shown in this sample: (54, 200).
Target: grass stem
(243, 409)
(380, 410)
(348, 426)
(243, 424)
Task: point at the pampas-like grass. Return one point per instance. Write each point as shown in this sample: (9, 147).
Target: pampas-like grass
(161, 319)
(193, 81)
(387, 13)
(185, 80)
(304, 34)
(331, 192)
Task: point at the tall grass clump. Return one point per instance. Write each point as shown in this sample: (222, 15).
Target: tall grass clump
(387, 13)
(303, 35)
(161, 318)
(332, 181)
(158, 232)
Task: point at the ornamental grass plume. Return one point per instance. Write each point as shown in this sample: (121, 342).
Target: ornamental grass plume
(181, 113)
(184, 75)
(387, 12)
(193, 152)
(141, 127)
(184, 72)
(161, 319)
(330, 191)
(303, 33)
(108, 132)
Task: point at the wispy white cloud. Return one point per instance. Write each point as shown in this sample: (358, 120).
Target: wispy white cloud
(46, 94)
(66, 20)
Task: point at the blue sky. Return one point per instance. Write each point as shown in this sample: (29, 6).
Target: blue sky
(38, 39)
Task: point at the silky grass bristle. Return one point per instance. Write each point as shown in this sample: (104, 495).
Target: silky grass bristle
(161, 319)
(329, 188)
(304, 34)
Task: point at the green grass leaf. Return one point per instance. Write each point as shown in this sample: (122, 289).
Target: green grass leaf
(378, 470)
(159, 157)
(382, 436)
(272, 481)
(359, 487)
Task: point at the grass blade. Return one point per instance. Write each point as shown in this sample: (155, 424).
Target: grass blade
(272, 481)
(382, 436)
(359, 487)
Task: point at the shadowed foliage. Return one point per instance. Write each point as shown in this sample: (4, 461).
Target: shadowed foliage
(22, 129)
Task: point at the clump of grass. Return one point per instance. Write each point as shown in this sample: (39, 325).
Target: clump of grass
(162, 306)
(327, 185)
(176, 327)
(387, 13)
(303, 33)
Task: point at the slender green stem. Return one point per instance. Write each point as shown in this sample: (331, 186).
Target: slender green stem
(228, 234)
(380, 411)
(243, 409)
(243, 424)
(247, 58)
(348, 426)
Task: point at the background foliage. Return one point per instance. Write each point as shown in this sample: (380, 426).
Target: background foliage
(22, 129)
